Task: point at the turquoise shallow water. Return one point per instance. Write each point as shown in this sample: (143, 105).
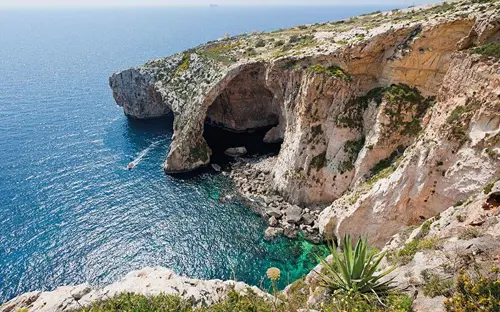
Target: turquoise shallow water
(69, 211)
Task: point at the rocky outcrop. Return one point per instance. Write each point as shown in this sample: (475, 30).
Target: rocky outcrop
(383, 117)
(148, 282)
(447, 163)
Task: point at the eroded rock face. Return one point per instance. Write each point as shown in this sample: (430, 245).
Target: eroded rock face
(135, 91)
(449, 161)
(387, 130)
(147, 282)
(245, 103)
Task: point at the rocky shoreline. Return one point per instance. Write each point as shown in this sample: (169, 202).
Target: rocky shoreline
(253, 180)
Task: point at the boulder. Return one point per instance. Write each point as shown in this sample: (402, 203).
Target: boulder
(272, 232)
(236, 151)
(274, 212)
(308, 218)
(293, 214)
(273, 221)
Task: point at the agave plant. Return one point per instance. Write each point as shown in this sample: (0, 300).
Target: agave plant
(355, 269)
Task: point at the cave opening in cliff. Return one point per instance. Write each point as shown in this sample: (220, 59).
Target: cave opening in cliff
(244, 114)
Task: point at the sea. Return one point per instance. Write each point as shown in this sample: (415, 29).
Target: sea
(70, 211)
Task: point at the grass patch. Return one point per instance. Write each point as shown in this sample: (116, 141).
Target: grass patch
(469, 233)
(331, 71)
(435, 286)
(219, 51)
(184, 64)
(490, 49)
(405, 255)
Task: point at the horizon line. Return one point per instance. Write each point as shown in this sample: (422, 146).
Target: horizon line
(178, 5)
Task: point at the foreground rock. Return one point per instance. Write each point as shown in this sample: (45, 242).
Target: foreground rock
(148, 282)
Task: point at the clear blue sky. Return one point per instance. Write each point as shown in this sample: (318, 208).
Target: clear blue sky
(108, 3)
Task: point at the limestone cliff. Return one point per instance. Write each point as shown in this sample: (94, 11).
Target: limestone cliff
(388, 118)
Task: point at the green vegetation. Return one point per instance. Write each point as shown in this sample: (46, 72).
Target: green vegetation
(475, 294)
(434, 285)
(387, 162)
(260, 43)
(488, 187)
(352, 149)
(355, 270)
(318, 162)
(406, 254)
(134, 302)
(199, 153)
(331, 71)
(353, 278)
(316, 131)
(184, 64)
(352, 115)
(419, 243)
(457, 123)
(490, 49)
(354, 302)
(384, 168)
(279, 43)
(403, 99)
(469, 233)
(219, 51)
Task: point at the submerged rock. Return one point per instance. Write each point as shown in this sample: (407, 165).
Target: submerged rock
(272, 232)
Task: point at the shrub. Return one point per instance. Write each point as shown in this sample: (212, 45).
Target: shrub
(184, 64)
(293, 38)
(490, 49)
(341, 302)
(488, 187)
(435, 285)
(260, 43)
(480, 294)
(355, 270)
(469, 233)
(406, 254)
(332, 71)
(279, 43)
(135, 302)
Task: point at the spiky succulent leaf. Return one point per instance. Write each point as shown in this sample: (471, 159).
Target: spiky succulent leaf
(355, 269)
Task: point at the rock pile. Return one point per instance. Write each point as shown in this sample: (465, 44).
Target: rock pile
(253, 180)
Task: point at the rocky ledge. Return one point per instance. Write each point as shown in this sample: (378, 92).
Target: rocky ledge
(148, 282)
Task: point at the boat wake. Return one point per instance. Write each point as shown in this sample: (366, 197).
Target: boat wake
(143, 154)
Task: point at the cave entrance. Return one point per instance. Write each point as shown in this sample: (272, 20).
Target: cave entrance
(242, 115)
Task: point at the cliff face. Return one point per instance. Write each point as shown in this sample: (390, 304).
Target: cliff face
(388, 116)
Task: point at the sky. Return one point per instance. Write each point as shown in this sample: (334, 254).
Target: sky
(128, 3)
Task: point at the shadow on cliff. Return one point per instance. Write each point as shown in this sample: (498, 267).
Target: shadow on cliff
(220, 139)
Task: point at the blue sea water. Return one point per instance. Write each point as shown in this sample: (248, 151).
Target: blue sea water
(69, 210)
